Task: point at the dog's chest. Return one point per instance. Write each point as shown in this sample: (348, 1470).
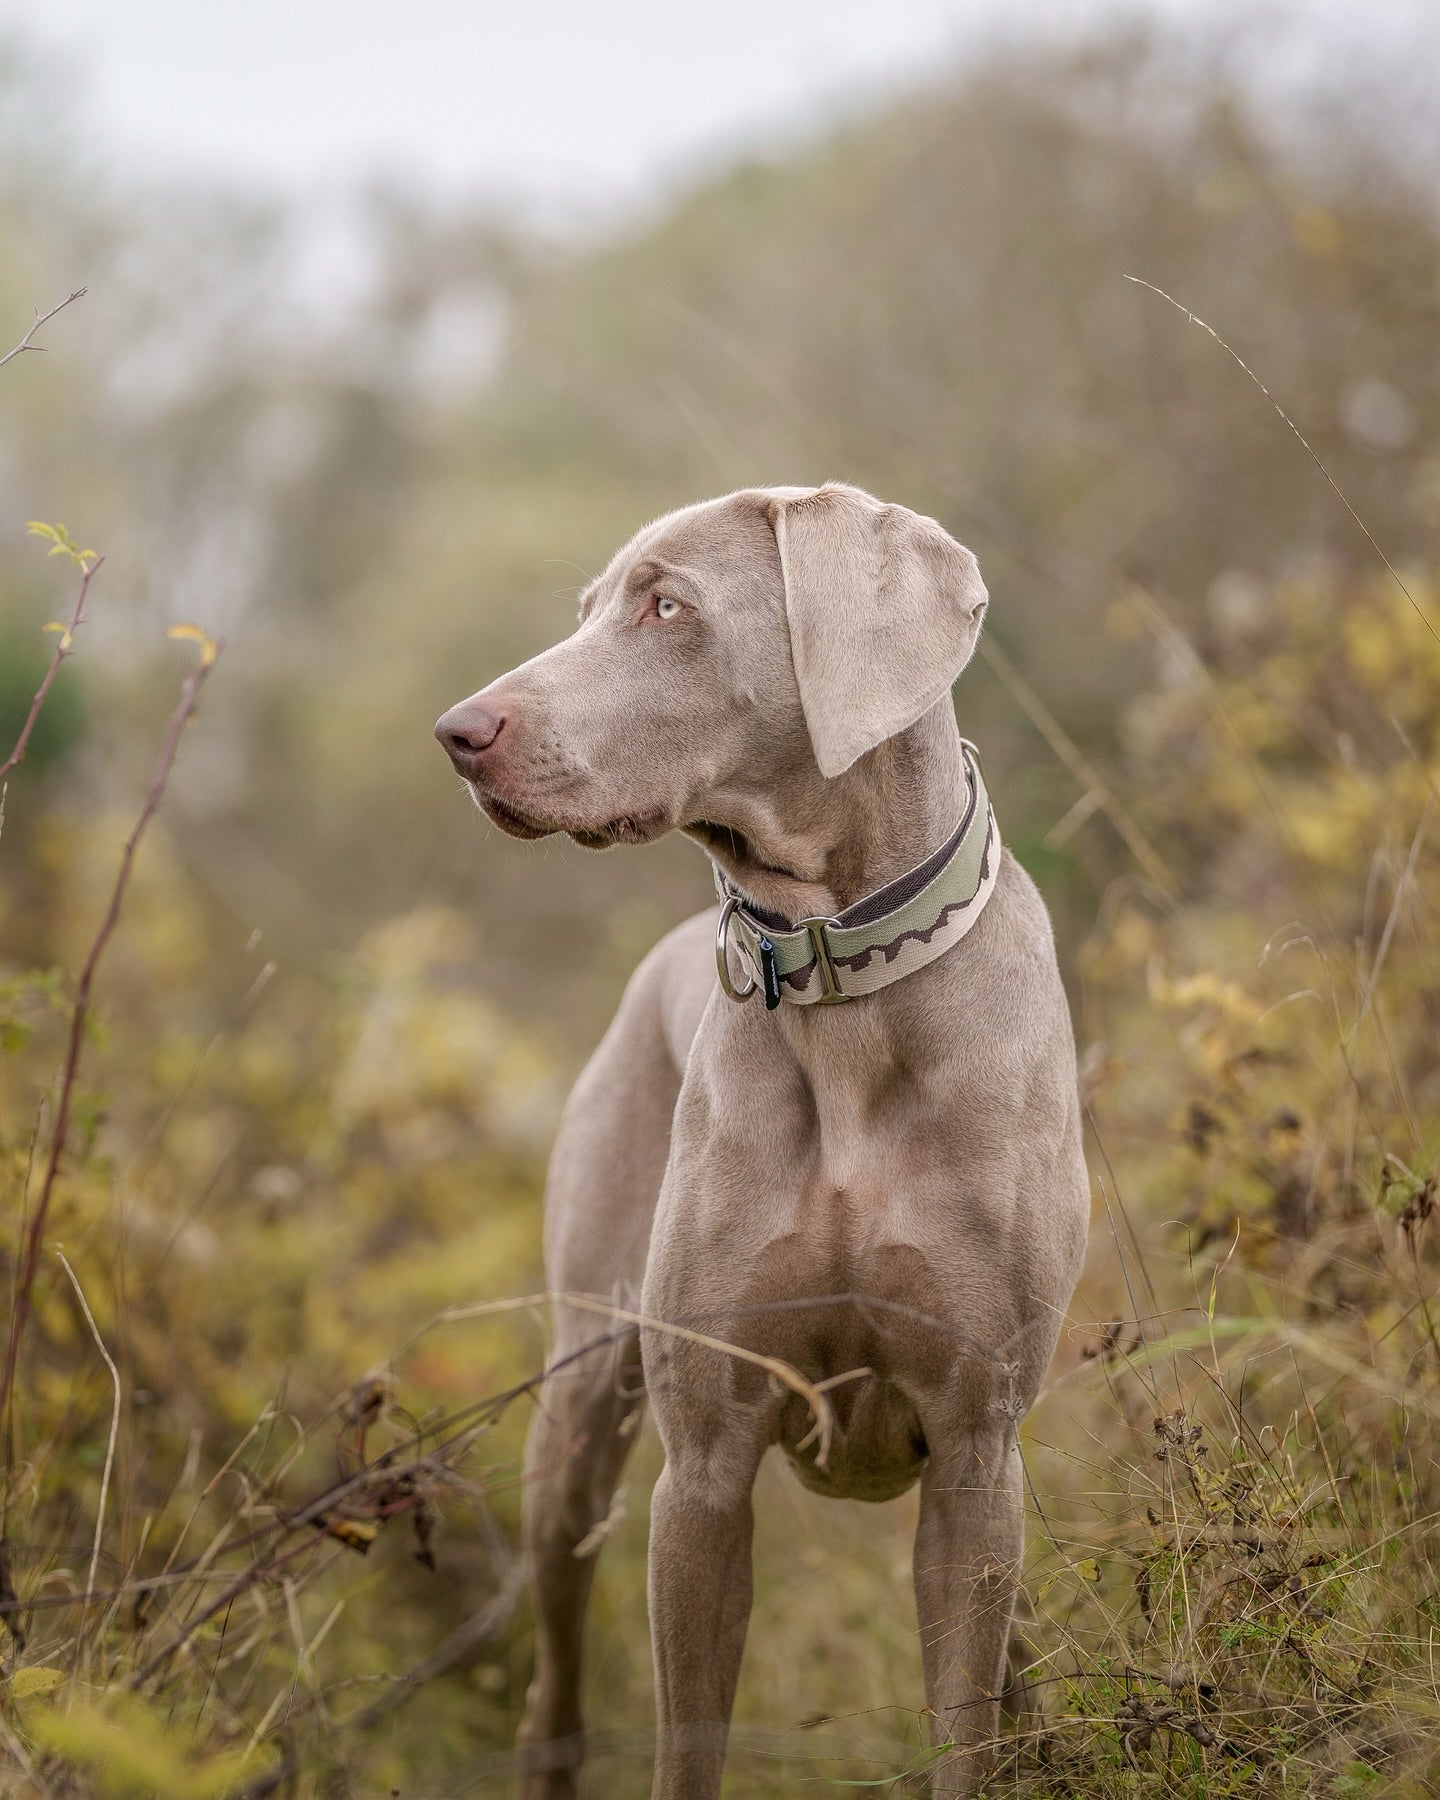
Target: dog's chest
(850, 1211)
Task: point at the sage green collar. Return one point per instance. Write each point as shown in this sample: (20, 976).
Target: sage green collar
(879, 939)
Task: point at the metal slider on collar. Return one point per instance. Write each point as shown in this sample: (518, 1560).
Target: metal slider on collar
(815, 931)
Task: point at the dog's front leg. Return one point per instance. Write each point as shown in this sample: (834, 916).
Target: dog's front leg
(967, 1565)
(700, 1590)
(716, 1409)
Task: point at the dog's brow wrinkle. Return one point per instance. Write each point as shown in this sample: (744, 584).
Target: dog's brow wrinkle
(648, 570)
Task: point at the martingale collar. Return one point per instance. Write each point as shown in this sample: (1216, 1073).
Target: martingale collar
(881, 938)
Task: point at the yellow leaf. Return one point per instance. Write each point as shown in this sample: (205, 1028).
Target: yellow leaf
(196, 634)
(62, 544)
(1087, 1569)
(25, 1682)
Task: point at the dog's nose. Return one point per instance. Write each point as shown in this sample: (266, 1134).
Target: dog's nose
(467, 731)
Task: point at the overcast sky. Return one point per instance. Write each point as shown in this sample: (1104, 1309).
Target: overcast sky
(563, 101)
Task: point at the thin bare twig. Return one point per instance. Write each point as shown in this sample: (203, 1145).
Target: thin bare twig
(109, 1362)
(40, 319)
(785, 1373)
(35, 1235)
(63, 647)
(1236, 357)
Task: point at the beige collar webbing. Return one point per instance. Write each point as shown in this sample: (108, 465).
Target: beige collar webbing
(879, 939)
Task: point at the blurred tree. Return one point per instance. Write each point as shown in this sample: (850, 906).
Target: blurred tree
(385, 505)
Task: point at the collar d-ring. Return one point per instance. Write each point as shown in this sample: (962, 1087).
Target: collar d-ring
(722, 945)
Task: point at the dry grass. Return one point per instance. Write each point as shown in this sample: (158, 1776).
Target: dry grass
(217, 1579)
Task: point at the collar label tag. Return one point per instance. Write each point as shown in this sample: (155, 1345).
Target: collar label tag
(769, 974)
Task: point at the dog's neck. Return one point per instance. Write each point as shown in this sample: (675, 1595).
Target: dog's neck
(839, 840)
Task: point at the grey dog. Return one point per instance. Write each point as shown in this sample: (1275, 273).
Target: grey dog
(850, 1150)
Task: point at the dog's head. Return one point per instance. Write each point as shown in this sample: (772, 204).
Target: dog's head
(734, 660)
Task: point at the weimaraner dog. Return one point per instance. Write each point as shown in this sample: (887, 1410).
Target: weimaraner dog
(847, 1145)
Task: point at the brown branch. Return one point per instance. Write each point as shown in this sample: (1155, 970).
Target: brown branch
(463, 1428)
(63, 649)
(184, 712)
(479, 1629)
(40, 319)
(239, 1584)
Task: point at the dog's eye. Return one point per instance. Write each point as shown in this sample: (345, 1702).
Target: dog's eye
(665, 607)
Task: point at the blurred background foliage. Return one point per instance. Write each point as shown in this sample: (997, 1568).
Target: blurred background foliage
(932, 304)
(333, 1034)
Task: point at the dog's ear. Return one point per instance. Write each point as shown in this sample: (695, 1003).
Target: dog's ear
(884, 609)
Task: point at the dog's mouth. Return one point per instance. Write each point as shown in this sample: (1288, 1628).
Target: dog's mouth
(511, 821)
(628, 828)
